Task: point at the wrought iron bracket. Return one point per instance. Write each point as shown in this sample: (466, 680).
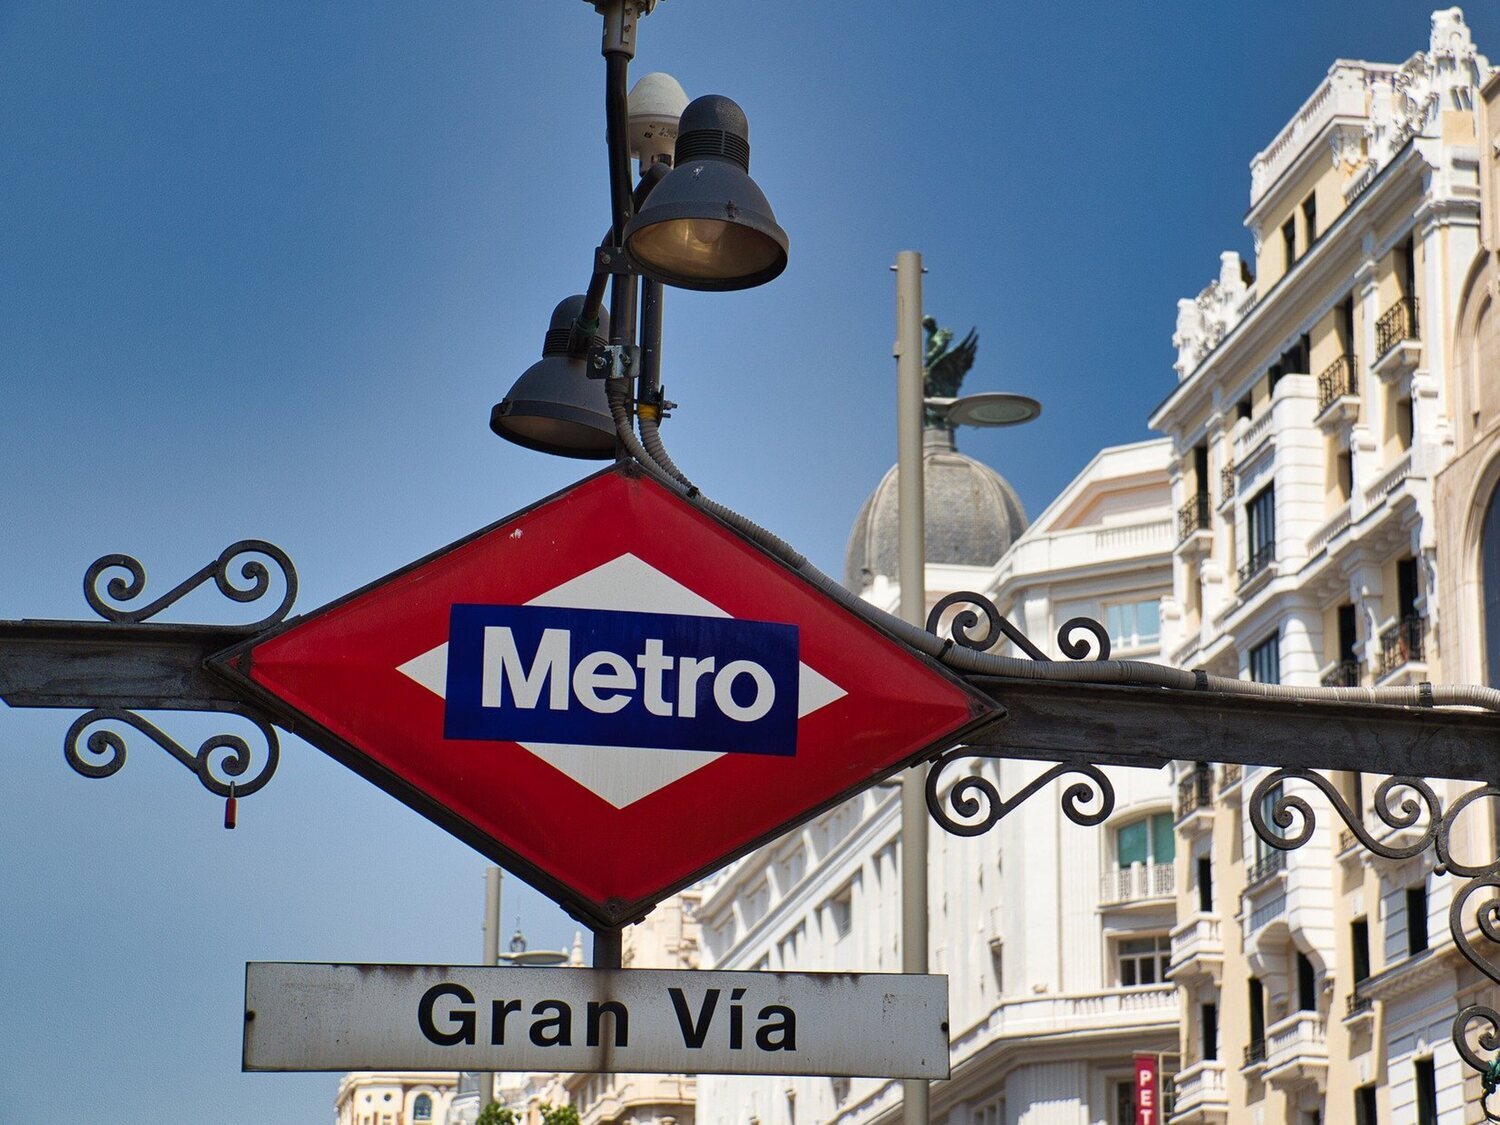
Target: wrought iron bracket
(1075, 727)
(126, 663)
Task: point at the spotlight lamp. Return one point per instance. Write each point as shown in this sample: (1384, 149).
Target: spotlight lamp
(707, 225)
(554, 406)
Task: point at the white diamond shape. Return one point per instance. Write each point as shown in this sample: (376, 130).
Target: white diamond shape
(623, 775)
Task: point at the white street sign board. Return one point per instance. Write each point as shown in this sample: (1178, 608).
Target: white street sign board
(650, 1021)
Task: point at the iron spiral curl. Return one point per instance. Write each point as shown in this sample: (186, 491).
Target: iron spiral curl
(963, 629)
(1489, 1040)
(976, 796)
(1290, 809)
(254, 572)
(221, 763)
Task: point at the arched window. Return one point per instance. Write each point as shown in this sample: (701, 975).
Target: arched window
(1489, 564)
(421, 1109)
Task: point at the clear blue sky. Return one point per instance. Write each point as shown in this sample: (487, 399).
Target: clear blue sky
(265, 267)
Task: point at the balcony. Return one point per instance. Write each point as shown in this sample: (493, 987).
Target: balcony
(1140, 882)
(1338, 393)
(1194, 792)
(1252, 436)
(1344, 673)
(1197, 949)
(1388, 481)
(1255, 1054)
(1226, 485)
(1397, 339)
(1401, 644)
(1297, 1049)
(1359, 1005)
(1230, 775)
(1273, 861)
(1199, 1089)
(1193, 517)
(1258, 563)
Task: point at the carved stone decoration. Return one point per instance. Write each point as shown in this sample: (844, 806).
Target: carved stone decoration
(1204, 321)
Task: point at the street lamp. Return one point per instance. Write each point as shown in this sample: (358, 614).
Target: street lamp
(993, 408)
(694, 220)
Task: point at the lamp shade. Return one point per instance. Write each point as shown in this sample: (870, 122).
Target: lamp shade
(708, 225)
(554, 406)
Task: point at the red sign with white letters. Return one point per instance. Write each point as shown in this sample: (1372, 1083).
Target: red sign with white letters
(610, 693)
(1147, 1070)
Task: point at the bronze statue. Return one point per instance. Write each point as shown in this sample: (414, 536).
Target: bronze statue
(944, 368)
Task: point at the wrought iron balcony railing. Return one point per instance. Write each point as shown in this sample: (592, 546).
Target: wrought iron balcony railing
(1397, 323)
(1265, 866)
(1340, 378)
(1193, 516)
(1401, 644)
(1260, 558)
(1196, 791)
(1343, 674)
(1357, 1004)
(1226, 484)
(1255, 1052)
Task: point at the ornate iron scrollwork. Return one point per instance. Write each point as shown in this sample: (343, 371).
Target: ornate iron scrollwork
(961, 629)
(975, 795)
(1437, 833)
(121, 588)
(223, 774)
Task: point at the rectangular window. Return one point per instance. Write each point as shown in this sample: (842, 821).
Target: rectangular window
(1307, 984)
(1205, 885)
(1149, 840)
(1143, 961)
(1359, 942)
(1416, 919)
(1133, 624)
(1310, 217)
(1260, 532)
(1364, 1106)
(1257, 1011)
(1289, 242)
(1426, 1075)
(1208, 1027)
(1265, 661)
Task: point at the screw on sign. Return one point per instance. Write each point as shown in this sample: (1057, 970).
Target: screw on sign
(1147, 1089)
(611, 693)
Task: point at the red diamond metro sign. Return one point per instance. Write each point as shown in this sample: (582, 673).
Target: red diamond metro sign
(610, 693)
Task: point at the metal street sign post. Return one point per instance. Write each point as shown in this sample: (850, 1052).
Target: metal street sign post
(310, 1017)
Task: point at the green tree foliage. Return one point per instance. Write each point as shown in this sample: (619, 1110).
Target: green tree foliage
(558, 1114)
(497, 1114)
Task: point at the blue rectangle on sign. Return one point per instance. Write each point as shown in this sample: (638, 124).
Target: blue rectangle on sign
(593, 677)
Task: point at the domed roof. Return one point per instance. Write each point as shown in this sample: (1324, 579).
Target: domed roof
(973, 516)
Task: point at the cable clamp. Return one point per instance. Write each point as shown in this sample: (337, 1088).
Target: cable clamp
(1200, 679)
(1424, 694)
(612, 260)
(613, 361)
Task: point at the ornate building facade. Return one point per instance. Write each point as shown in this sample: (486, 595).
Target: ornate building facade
(1319, 403)
(1054, 937)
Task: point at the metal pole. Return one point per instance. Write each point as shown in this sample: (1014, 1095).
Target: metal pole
(910, 502)
(492, 877)
(607, 948)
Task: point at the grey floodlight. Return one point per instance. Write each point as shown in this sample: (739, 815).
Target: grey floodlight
(554, 406)
(656, 105)
(989, 408)
(707, 225)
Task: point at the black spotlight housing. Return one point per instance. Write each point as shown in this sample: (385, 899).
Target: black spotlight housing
(708, 225)
(554, 406)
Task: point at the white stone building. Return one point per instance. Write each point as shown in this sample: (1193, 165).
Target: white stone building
(1313, 411)
(394, 1098)
(1054, 936)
